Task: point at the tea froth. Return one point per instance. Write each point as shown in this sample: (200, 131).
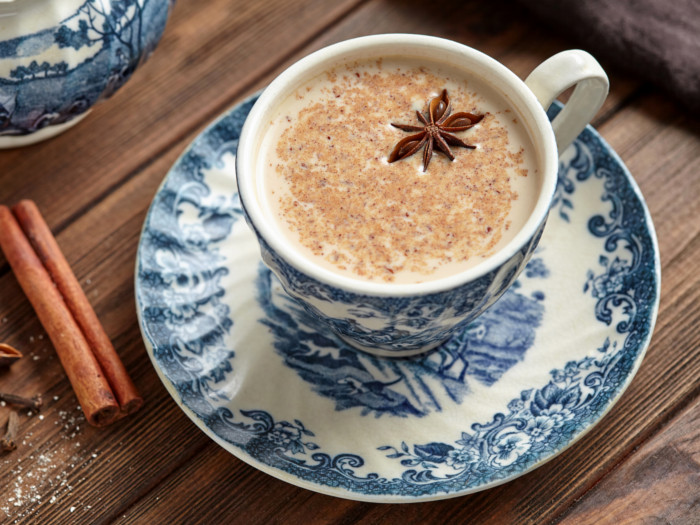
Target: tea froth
(333, 194)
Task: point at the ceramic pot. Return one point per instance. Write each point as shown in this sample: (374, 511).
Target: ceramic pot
(58, 58)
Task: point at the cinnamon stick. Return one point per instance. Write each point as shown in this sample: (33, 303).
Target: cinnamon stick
(46, 247)
(84, 372)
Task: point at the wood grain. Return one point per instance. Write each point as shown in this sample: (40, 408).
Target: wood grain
(501, 29)
(158, 467)
(658, 484)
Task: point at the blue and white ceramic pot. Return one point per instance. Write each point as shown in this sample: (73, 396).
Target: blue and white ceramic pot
(58, 58)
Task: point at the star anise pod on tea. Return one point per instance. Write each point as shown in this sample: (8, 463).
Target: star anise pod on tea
(436, 131)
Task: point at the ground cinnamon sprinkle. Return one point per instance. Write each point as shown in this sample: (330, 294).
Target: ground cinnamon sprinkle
(353, 209)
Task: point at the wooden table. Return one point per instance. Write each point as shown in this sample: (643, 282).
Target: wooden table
(640, 464)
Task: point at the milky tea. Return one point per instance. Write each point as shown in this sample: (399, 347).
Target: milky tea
(332, 192)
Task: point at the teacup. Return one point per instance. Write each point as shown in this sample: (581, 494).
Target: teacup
(399, 320)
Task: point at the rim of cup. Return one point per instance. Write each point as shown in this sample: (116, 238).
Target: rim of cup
(436, 50)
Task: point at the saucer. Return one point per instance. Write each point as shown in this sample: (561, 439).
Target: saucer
(521, 384)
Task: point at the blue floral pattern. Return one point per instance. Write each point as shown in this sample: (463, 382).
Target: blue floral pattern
(489, 347)
(523, 433)
(99, 48)
(581, 166)
(399, 326)
(186, 318)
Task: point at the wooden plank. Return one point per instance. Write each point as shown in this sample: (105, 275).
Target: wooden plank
(658, 484)
(501, 29)
(210, 52)
(223, 486)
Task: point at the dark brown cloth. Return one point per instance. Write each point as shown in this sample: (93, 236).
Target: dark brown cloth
(659, 40)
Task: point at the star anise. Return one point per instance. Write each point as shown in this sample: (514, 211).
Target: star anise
(436, 131)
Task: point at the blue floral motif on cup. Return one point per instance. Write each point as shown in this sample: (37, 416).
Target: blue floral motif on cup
(416, 386)
(405, 323)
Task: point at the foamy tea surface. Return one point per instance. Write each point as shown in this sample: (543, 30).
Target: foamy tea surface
(327, 181)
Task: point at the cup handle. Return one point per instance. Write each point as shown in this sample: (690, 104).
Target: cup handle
(558, 73)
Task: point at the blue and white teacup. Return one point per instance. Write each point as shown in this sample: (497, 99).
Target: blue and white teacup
(400, 320)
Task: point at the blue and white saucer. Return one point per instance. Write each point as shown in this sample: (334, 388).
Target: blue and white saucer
(516, 388)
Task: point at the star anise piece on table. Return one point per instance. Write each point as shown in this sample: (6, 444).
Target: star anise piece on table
(8, 354)
(436, 131)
